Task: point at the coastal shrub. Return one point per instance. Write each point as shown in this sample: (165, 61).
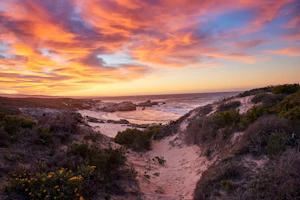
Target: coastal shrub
(271, 100)
(219, 176)
(4, 138)
(60, 184)
(279, 180)
(292, 114)
(227, 118)
(204, 110)
(45, 135)
(105, 160)
(258, 134)
(93, 136)
(109, 165)
(13, 123)
(268, 100)
(2, 115)
(259, 97)
(276, 143)
(201, 130)
(135, 139)
(169, 129)
(255, 91)
(63, 123)
(251, 116)
(286, 89)
(229, 106)
(226, 185)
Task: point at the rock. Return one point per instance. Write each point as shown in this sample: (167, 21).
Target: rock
(122, 121)
(124, 106)
(93, 119)
(147, 103)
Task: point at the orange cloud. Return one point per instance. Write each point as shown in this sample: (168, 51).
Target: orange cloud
(292, 51)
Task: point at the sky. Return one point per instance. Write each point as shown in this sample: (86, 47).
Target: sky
(136, 47)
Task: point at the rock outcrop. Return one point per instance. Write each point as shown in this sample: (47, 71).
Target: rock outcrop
(123, 106)
(147, 103)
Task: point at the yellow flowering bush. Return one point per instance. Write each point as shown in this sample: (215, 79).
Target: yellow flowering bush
(60, 184)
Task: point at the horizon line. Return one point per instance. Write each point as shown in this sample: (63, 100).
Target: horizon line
(82, 97)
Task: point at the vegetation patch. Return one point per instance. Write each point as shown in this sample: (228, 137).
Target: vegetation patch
(229, 106)
(60, 184)
(286, 89)
(136, 139)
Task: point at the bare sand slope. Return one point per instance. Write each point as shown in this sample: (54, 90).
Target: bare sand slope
(177, 177)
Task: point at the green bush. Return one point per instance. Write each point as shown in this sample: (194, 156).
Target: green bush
(292, 114)
(45, 135)
(251, 116)
(135, 139)
(279, 180)
(12, 123)
(227, 118)
(105, 160)
(265, 135)
(226, 185)
(259, 97)
(276, 143)
(255, 91)
(286, 89)
(219, 175)
(229, 106)
(289, 107)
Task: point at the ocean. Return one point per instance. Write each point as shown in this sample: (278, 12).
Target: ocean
(171, 106)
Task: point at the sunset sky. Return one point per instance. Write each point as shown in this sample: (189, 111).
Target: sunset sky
(129, 47)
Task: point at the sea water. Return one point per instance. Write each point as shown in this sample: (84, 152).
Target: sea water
(171, 106)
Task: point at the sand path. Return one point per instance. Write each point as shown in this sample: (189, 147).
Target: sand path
(177, 178)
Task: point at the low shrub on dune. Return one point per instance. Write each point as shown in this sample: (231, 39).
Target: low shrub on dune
(136, 139)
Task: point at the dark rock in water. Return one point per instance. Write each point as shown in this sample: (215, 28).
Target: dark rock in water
(148, 103)
(143, 125)
(124, 106)
(93, 119)
(122, 121)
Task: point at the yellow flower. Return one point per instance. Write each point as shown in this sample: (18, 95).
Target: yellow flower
(76, 178)
(44, 190)
(47, 196)
(43, 179)
(28, 181)
(30, 193)
(23, 184)
(77, 195)
(92, 167)
(26, 189)
(56, 186)
(81, 198)
(58, 189)
(49, 176)
(76, 189)
(54, 197)
(61, 171)
(16, 179)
